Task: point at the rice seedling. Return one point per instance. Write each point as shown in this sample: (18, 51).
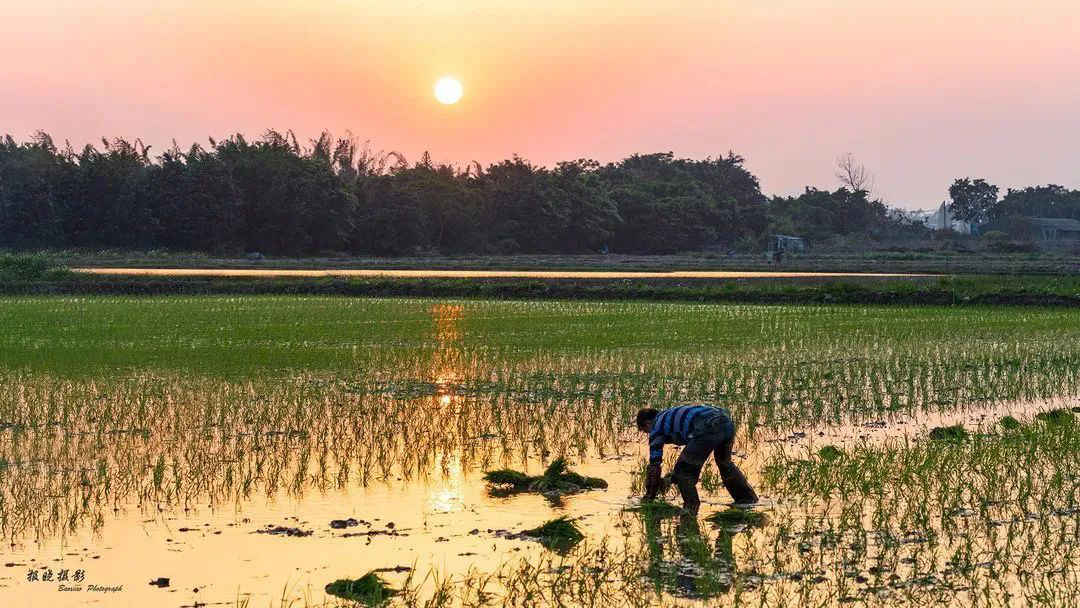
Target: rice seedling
(947, 514)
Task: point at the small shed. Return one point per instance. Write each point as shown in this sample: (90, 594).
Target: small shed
(786, 243)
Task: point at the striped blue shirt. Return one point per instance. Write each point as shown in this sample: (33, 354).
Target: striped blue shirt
(673, 426)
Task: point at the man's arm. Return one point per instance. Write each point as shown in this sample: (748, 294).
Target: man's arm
(652, 473)
(652, 480)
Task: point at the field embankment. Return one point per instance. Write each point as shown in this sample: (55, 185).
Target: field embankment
(900, 260)
(22, 275)
(994, 291)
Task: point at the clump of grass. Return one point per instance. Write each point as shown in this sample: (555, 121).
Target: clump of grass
(369, 590)
(735, 516)
(557, 478)
(1058, 416)
(656, 508)
(559, 533)
(1009, 423)
(830, 453)
(954, 432)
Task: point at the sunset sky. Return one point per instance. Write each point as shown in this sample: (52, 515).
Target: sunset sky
(920, 91)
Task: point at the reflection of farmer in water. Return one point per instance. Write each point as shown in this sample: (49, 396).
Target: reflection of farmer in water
(702, 570)
(704, 430)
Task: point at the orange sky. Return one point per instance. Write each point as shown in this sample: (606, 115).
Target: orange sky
(921, 92)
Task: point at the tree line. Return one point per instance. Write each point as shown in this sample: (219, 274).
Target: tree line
(977, 201)
(334, 195)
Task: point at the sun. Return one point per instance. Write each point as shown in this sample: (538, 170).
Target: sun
(448, 90)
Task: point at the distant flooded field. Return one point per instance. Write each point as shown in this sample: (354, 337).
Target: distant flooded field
(253, 450)
(481, 274)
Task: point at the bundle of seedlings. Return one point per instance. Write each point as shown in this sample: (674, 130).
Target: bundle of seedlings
(736, 517)
(558, 534)
(1058, 416)
(557, 479)
(955, 432)
(369, 590)
(657, 507)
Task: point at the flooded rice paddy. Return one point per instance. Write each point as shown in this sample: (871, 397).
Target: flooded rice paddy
(252, 450)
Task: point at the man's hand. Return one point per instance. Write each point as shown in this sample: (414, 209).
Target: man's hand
(653, 481)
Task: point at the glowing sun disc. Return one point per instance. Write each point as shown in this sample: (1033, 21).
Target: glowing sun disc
(448, 90)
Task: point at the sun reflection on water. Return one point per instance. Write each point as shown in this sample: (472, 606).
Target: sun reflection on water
(447, 494)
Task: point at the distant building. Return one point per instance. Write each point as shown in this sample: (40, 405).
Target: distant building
(1038, 228)
(943, 219)
(787, 244)
(781, 245)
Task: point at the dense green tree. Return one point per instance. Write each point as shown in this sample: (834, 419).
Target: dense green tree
(390, 220)
(330, 205)
(740, 206)
(1039, 201)
(292, 201)
(820, 214)
(279, 197)
(32, 180)
(663, 208)
(527, 215)
(591, 217)
(196, 202)
(425, 208)
(108, 204)
(972, 200)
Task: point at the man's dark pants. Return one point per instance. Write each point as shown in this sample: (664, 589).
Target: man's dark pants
(711, 433)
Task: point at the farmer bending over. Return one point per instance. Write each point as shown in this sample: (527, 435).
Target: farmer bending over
(703, 430)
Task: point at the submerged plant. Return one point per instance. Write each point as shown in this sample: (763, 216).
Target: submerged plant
(369, 590)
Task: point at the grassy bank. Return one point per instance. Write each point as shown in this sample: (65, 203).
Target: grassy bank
(939, 260)
(973, 290)
(44, 275)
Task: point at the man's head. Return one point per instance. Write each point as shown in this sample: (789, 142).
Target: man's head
(645, 418)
